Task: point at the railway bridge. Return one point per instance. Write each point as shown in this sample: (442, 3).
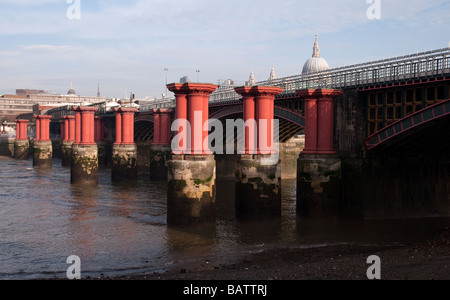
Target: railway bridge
(376, 140)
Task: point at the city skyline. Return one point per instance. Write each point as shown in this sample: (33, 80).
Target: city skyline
(127, 46)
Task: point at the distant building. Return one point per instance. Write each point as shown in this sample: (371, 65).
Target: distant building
(25, 101)
(24, 92)
(185, 79)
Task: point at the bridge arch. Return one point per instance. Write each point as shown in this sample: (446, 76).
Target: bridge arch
(425, 119)
(291, 123)
(144, 128)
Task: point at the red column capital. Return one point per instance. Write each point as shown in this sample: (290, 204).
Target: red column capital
(319, 93)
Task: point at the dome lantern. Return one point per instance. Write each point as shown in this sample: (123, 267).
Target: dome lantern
(315, 64)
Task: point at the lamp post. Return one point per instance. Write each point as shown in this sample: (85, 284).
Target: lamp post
(166, 70)
(198, 75)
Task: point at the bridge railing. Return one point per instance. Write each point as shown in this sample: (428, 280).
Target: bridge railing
(160, 104)
(409, 67)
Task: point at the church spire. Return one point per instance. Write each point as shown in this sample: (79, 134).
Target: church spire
(98, 90)
(273, 76)
(316, 49)
(251, 81)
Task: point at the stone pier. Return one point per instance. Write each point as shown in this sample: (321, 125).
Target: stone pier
(124, 154)
(84, 168)
(160, 151)
(22, 144)
(191, 194)
(319, 174)
(258, 182)
(42, 146)
(67, 140)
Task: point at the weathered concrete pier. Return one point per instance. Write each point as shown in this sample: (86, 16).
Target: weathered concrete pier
(84, 167)
(42, 145)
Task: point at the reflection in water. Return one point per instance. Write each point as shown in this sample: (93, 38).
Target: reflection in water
(119, 229)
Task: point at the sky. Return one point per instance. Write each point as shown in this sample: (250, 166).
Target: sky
(126, 46)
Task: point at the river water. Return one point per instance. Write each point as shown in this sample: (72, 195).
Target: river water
(121, 229)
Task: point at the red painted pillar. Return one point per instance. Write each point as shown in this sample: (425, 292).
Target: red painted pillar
(43, 128)
(118, 127)
(156, 127)
(196, 119)
(311, 120)
(77, 126)
(17, 130)
(99, 130)
(181, 114)
(72, 126)
(325, 118)
(198, 115)
(128, 125)
(251, 137)
(65, 136)
(85, 128)
(38, 128)
(125, 126)
(206, 96)
(22, 130)
(264, 112)
(319, 118)
(192, 98)
(166, 122)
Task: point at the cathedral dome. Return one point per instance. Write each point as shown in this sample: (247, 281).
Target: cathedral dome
(316, 63)
(71, 91)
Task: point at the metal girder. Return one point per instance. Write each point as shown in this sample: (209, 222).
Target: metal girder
(415, 120)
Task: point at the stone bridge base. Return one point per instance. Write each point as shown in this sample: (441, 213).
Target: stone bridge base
(22, 150)
(42, 155)
(258, 187)
(191, 193)
(319, 186)
(159, 157)
(124, 162)
(84, 164)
